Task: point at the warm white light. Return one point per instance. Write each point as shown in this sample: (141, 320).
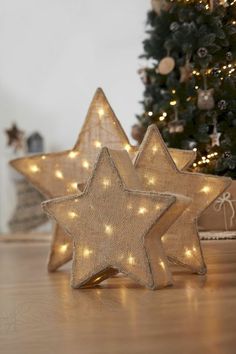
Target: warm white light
(162, 264)
(87, 252)
(106, 182)
(173, 103)
(34, 168)
(194, 149)
(74, 186)
(188, 253)
(151, 181)
(63, 248)
(161, 118)
(164, 114)
(131, 260)
(72, 154)
(85, 164)
(127, 147)
(72, 214)
(142, 210)
(108, 229)
(43, 157)
(205, 189)
(150, 113)
(101, 112)
(154, 149)
(194, 165)
(97, 144)
(59, 174)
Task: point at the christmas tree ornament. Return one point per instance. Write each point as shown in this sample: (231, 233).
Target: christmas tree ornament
(186, 72)
(154, 162)
(58, 174)
(115, 227)
(222, 105)
(15, 138)
(174, 26)
(166, 66)
(215, 136)
(205, 100)
(137, 133)
(229, 56)
(143, 75)
(176, 125)
(160, 5)
(202, 52)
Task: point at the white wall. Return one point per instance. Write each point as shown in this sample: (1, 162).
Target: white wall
(53, 55)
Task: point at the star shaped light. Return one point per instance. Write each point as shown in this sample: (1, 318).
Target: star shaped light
(158, 172)
(58, 174)
(115, 226)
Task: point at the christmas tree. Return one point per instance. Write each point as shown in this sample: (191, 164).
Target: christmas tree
(190, 79)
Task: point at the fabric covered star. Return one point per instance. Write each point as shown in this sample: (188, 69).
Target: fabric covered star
(115, 226)
(58, 174)
(158, 172)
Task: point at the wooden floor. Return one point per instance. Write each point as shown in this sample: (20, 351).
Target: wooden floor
(41, 314)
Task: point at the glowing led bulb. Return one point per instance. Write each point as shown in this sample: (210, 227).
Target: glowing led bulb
(142, 210)
(97, 144)
(74, 186)
(173, 103)
(150, 113)
(85, 164)
(188, 253)
(43, 157)
(72, 154)
(108, 229)
(127, 147)
(205, 189)
(106, 182)
(162, 264)
(34, 168)
(72, 214)
(154, 149)
(59, 174)
(151, 181)
(87, 252)
(63, 248)
(131, 260)
(101, 112)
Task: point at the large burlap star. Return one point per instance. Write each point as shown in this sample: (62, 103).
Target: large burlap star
(158, 172)
(115, 226)
(57, 174)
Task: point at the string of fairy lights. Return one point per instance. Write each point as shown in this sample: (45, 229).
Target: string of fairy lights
(222, 72)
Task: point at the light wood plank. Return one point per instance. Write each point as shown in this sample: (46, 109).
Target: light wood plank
(40, 313)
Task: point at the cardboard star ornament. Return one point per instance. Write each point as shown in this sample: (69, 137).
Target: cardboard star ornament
(115, 226)
(158, 172)
(58, 174)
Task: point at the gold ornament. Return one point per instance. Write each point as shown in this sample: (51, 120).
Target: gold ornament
(116, 227)
(181, 241)
(58, 174)
(165, 66)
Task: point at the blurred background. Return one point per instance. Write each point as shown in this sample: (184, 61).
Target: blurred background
(54, 54)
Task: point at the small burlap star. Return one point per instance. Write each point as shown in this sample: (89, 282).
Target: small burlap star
(115, 226)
